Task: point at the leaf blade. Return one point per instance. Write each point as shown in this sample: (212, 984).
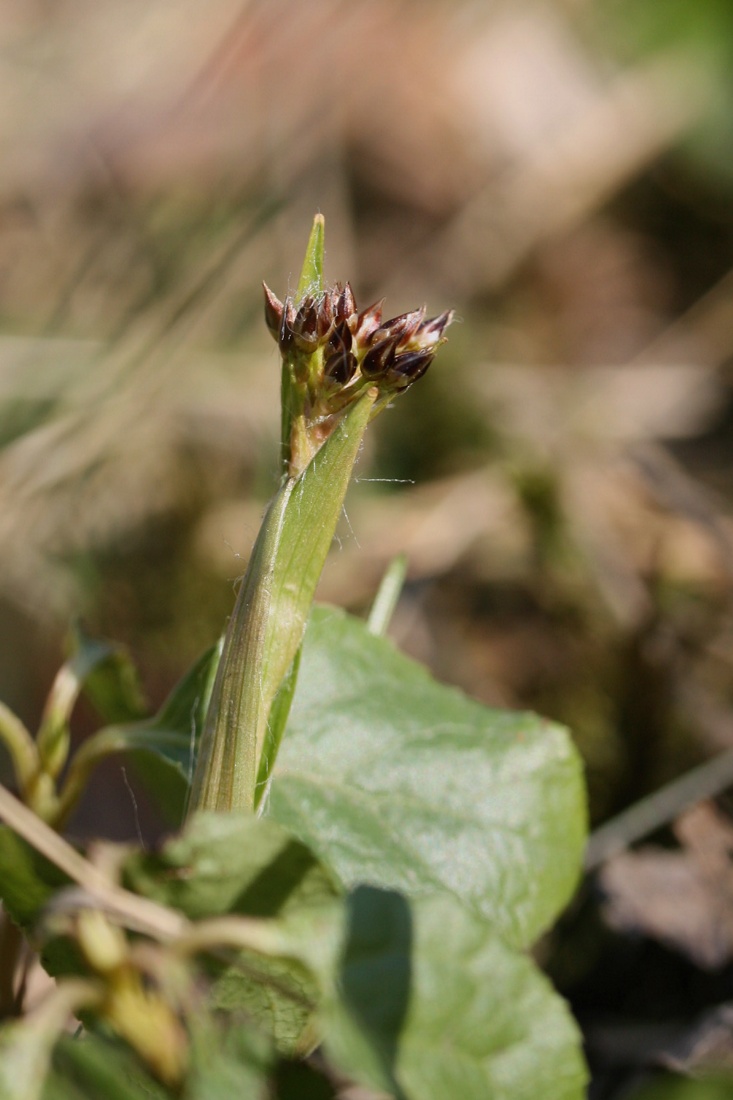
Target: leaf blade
(401, 782)
(461, 1018)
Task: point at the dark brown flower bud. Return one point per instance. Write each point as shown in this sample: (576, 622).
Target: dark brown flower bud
(305, 325)
(407, 368)
(333, 353)
(273, 311)
(367, 323)
(340, 340)
(379, 358)
(346, 305)
(340, 367)
(324, 315)
(403, 326)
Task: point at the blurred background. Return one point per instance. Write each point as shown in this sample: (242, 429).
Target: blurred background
(558, 171)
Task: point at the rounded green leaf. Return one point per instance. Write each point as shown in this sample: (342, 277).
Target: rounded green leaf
(237, 864)
(230, 863)
(396, 780)
(433, 1004)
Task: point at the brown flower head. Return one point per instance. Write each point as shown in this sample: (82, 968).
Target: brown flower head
(332, 353)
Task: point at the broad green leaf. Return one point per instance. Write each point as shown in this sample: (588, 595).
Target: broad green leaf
(281, 995)
(395, 780)
(229, 1058)
(433, 1004)
(166, 744)
(231, 863)
(27, 879)
(91, 1066)
(108, 678)
(236, 863)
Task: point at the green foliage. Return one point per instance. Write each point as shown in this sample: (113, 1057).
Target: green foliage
(399, 781)
(92, 1066)
(27, 880)
(697, 33)
(408, 846)
(234, 863)
(462, 1017)
(269, 619)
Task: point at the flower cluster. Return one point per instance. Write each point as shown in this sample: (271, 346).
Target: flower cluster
(333, 352)
(356, 346)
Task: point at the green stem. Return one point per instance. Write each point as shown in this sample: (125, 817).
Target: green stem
(269, 619)
(22, 749)
(226, 765)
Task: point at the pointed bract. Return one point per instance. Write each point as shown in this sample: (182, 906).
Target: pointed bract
(379, 358)
(367, 322)
(340, 339)
(273, 311)
(431, 331)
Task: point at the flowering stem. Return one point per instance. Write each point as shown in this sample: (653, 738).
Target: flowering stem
(267, 626)
(339, 367)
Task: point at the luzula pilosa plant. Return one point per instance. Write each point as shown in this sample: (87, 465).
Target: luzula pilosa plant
(249, 941)
(340, 367)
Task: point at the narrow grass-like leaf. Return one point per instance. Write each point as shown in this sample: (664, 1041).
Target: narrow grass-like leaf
(279, 714)
(385, 601)
(107, 676)
(26, 1046)
(310, 282)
